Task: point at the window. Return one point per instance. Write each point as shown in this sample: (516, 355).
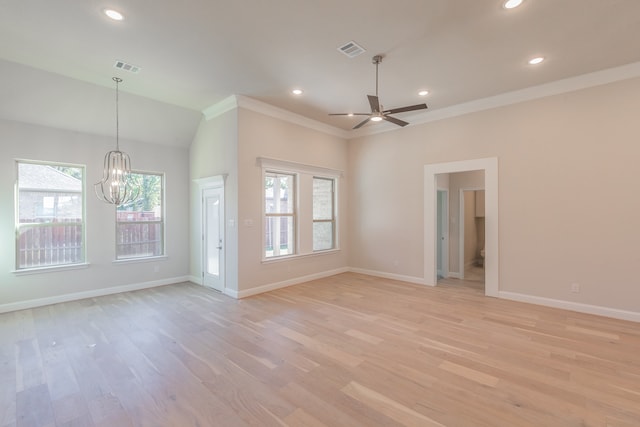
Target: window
(50, 215)
(324, 221)
(300, 208)
(140, 224)
(280, 215)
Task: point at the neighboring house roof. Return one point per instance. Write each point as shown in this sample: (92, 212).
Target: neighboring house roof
(43, 177)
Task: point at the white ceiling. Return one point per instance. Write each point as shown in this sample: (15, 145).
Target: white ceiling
(58, 56)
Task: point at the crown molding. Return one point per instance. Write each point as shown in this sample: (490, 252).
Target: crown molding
(557, 87)
(237, 101)
(288, 116)
(219, 108)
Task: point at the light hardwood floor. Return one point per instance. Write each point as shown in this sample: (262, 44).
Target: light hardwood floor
(349, 350)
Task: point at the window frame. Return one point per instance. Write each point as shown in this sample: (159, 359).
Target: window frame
(332, 220)
(293, 215)
(18, 225)
(304, 205)
(162, 222)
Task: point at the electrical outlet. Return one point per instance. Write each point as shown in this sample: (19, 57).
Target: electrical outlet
(575, 287)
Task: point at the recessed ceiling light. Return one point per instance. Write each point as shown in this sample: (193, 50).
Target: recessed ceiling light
(297, 91)
(536, 60)
(511, 4)
(350, 114)
(114, 14)
(423, 93)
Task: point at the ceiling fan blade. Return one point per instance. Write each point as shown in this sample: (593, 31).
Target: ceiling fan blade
(362, 123)
(374, 102)
(349, 114)
(395, 121)
(403, 109)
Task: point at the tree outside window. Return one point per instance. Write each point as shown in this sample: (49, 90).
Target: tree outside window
(140, 224)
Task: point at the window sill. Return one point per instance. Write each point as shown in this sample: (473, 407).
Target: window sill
(298, 256)
(141, 259)
(50, 269)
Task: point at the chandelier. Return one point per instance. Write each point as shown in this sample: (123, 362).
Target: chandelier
(115, 187)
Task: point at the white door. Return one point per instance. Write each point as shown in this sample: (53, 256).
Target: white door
(213, 237)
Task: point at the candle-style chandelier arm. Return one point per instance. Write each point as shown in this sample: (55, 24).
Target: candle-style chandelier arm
(116, 186)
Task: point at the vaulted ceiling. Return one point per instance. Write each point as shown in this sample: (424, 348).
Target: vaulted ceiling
(195, 54)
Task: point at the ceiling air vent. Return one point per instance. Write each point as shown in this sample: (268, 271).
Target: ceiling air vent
(121, 65)
(351, 49)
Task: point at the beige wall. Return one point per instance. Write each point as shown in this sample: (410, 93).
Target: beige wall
(263, 136)
(214, 151)
(41, 143)
(554, 154)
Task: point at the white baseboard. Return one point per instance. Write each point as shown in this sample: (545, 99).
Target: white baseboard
(195, 279)
(514, 296)
(273, 286)
(615, 313)
(454, 275)
(23, 305)
(235, 294)
(385, 275)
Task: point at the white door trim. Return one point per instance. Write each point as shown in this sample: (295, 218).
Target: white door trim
(204, 184)
(490, 168)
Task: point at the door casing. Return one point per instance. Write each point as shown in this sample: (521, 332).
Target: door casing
(491, 260)
(205, 184)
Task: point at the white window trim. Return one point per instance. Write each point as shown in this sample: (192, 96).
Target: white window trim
(52, 268)
(295, 216)
(141, 259)
(334, 214)
(55, 267)
(288, 167)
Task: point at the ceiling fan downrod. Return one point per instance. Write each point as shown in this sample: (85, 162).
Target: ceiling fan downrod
(376, 60)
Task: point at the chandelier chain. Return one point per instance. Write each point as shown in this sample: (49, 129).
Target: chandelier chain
(116, 187)
(117, 80)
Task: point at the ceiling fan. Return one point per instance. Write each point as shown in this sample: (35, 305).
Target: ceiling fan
(377, 113)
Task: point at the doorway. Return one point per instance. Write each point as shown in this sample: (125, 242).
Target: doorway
(443, 234)
(489, 167)
(213, 238)
(472, 236)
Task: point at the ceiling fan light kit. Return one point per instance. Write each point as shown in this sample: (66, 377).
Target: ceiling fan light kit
(377, 113)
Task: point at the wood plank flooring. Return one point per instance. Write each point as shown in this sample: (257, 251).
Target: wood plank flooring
(349, 350)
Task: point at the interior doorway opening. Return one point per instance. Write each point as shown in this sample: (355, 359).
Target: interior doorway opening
(434, 182)
(443, 233)
(465, 212)
(472, 237)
